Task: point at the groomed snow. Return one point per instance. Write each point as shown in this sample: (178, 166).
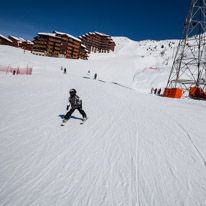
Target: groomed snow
(135, 149)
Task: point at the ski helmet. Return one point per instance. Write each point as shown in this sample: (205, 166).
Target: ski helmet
(72, 91)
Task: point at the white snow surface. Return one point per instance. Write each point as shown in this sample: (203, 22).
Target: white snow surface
(136, 148)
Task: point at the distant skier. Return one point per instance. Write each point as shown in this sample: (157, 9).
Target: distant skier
(159, 91)
(95, 76)
(76, 103)
(152, 90)
(155, 91)
(65, 70)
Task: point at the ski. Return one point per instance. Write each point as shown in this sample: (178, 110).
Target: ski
(83, 121)
(64, 122)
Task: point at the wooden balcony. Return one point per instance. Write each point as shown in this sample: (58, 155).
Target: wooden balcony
(50, 46)
(70, 48)
(75, 53)
(73, 45)
(64, 38)
(54, 40)
(77, 42)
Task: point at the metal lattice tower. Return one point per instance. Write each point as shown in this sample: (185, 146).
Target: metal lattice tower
(189, 65)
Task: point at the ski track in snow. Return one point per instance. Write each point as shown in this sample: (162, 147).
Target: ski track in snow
(136, 149)
(196, 148)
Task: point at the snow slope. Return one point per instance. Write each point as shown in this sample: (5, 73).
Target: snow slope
(135, 148)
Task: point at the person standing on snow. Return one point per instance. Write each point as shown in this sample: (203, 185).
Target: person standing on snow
(152, 90)
(76, 103)
(159, 91)
(95, 76)
(155, 91)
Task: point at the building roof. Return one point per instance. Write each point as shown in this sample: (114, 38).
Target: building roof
(21, 39)
(29, 42)
(2, 36)
(48, 34)
(101, 34)
(13, 37)
(61, 33)
(93, 33)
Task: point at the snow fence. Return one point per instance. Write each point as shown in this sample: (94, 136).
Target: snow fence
(16, 70)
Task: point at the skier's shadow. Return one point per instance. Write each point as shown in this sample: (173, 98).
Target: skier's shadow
(115, 83)
(101, 81)
(72, 117)
(86, 77)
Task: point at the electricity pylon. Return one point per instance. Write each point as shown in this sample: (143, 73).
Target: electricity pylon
(189, 65)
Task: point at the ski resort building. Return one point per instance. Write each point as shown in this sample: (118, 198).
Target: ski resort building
(20, 42)
(17, 42)
(71, 47)
(47, 44)
(83, 52)
(5, 41)
(14, 40)
(58, 44)
(98, 42)
(27, 45)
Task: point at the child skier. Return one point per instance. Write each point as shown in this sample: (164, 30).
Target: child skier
(76, 103)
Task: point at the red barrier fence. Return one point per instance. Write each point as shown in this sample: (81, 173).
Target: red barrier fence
(17, 70)
(155, 68)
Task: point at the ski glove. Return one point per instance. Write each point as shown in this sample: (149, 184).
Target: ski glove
(67, 107)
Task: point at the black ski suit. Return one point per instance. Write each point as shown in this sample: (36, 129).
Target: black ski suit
(76, 103)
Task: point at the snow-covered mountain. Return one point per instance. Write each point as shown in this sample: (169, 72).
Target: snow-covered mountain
(135, 149)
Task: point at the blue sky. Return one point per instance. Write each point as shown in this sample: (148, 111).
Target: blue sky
(137, 20)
